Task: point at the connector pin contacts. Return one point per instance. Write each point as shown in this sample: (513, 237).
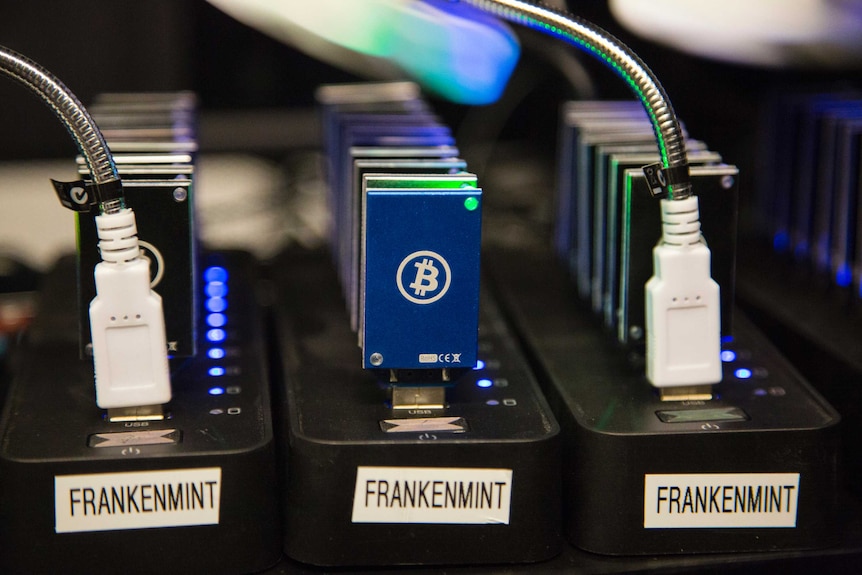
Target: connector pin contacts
(138, 413)
(418, 397)
(682, 308)
(686, 393)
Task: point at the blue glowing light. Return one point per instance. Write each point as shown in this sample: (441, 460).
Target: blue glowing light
(484, 383)
(215, 274)
(727, 356)
(479, 365)
(844, 276)
(727, 339)
(216, 304)
(216, 371)
(216, 320)
(216, 289)
(781, 241)
(216, 334)
(216, 391)
(215, 353)
(742, 373)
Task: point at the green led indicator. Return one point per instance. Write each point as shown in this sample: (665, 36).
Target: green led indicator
(471, 203)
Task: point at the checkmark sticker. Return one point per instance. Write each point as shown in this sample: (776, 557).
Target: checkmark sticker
(77, 196)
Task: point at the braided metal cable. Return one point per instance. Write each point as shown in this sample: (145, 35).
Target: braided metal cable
(611, 51)
(68, 109)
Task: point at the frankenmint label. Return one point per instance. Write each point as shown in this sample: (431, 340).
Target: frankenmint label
(138, 500)
(432, 495)
(721, 500)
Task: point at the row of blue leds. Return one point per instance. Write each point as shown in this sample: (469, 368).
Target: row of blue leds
(729, 356)
(215, 290)
(484, 382)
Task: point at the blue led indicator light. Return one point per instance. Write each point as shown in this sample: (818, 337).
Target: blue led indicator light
(216, 320)
(216, 304)
(781, 241)
(742, 373)
(216, 391)
(484, 383)
(727, 339)
(215, 274)
(216, 335)
(215, 353)
(216, 289)
(479, 365)
(216, 371)
(727, 356)
(844, 277)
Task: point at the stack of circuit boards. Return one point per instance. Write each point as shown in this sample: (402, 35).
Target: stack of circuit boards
(607, 221)
(153, 140)
(406, 227)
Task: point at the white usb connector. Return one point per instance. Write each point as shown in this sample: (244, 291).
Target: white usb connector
(127, 321)
(682, 304)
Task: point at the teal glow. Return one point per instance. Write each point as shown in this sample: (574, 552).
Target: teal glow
(471, 203)
(453, 49)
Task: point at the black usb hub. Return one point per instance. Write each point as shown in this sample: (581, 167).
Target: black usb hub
(754, 469)
(195, 492)
(366, 484)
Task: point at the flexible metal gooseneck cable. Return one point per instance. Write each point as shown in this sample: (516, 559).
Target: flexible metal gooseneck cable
(75, 117)
(616, 55)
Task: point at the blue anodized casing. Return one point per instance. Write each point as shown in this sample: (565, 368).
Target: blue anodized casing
(421, 278)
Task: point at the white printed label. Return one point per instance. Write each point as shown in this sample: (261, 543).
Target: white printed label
(721, 500)
(137, 500)
(432, 495)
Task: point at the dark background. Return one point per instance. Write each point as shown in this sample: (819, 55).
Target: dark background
(127, 45)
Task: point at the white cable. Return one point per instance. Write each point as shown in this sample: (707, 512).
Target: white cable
(683, 318)
(127, 321)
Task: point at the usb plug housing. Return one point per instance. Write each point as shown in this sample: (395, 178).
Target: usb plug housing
(127, 322)
(682, 304)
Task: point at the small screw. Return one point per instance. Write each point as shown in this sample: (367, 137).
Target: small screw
(636, 332)
(88, 350)
(180, 194)
(727, 182)
(376, 359)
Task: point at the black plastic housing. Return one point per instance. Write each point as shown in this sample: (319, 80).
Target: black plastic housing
(613, 435)
(333, 411)
(49, 429)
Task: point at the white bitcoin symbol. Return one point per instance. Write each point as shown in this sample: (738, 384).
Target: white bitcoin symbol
(425, 272)
(426, 285)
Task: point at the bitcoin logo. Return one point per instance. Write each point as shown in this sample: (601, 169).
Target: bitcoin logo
(424, 267)
(426, 271)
